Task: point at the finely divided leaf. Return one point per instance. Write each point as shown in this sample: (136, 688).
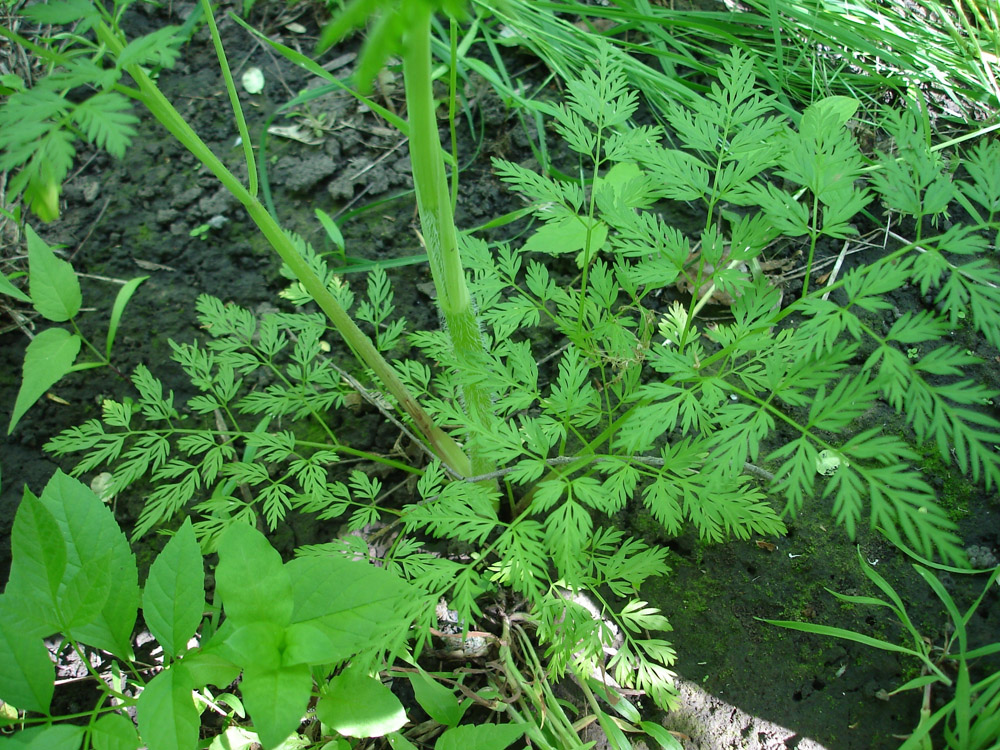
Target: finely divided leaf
(157, 48)
(107, 122)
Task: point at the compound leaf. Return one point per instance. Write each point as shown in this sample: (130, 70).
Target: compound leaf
(106, 121)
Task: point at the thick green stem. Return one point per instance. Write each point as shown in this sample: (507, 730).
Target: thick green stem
(437, 220)
(160, 107)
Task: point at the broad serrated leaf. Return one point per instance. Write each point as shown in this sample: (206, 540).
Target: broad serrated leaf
(114, 732)
(38, 561)
(174, 596)
(49, 356)
(276, 700)
(47, 737)
(27, 675)
(55, 291)
(357, 705)
(480, 737)
(250, 579)
(83, 594)
(168, 719)
(440, 702)
(351, 602)
(571, 234)
(95, 543)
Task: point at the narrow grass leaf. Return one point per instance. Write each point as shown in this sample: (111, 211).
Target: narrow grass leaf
(121, 300)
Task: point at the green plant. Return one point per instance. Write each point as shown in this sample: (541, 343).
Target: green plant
(302, 637)
(54, 293)
(639, 404)
(970, 717)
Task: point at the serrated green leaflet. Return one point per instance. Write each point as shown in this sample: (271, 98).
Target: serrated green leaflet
(167, 717)
(55, 291)
(96, 552)
(27, 676)
(114, 732)
(480, 737)
(250, 579)
(173, 598)
(357, 705)
(277, 699)
(49, 357)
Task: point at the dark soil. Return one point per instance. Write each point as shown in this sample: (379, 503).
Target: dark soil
(134, 217)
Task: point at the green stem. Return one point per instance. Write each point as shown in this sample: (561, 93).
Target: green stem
(437, 219)
(160, 107)
(234, 98)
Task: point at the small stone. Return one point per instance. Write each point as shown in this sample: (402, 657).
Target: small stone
(186, 198)
(166, 215)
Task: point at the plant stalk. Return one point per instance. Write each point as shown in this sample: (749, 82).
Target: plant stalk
(437, 220)
(160, 107)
